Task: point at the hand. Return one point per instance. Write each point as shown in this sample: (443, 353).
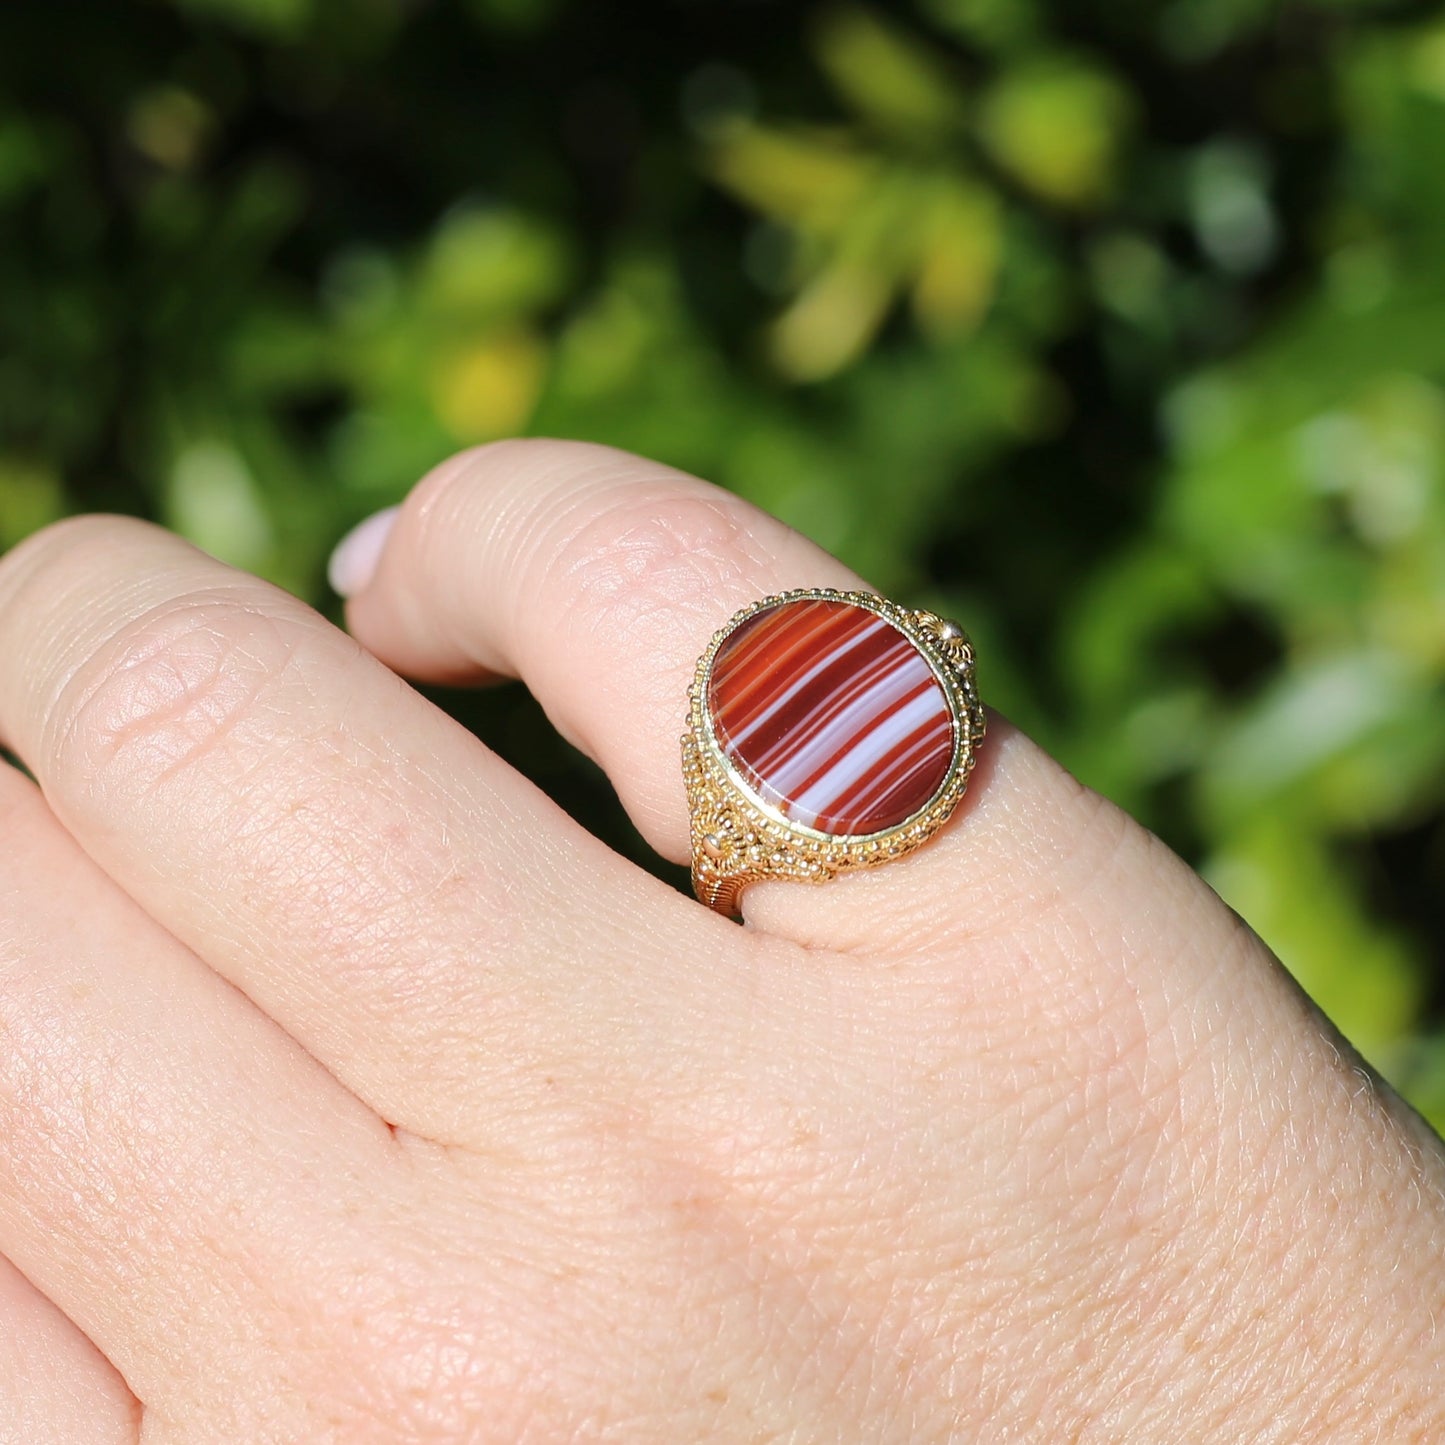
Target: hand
(350, 1092)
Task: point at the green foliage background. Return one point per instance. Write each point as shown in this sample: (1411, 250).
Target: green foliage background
(1116, 329)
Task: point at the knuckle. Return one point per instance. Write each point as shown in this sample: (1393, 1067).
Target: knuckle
(623, 537)
(654, 546)
(649, 566)
(166, 690)
(597, 545)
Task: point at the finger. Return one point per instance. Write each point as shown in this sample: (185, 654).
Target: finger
(377, 881)
(596, 576)
(175, 1173)
(599, 577)
(55, 1387)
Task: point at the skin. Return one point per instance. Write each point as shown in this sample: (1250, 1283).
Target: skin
(350, 1092)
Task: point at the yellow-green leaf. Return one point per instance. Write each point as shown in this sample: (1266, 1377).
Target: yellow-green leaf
(1058, 125)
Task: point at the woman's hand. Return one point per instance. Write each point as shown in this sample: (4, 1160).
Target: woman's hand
(350, 1092)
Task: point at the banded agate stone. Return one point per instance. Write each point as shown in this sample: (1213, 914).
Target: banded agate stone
(832, 716)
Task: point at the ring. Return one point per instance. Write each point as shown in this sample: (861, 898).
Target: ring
(828, 731)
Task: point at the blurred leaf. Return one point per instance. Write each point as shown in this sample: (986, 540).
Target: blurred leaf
(490, 388)
(1232, 212)
(1426, 60)
(1131, 275)
(514, 15)
(267, 17)
(812, 179)
(169, 125)
(833, 319)
(22, 158)
(212, 500)
(1278, 876)
(960, 241)
(486, 263)
(993, 24)
(888, 77)
(1119, 632)
(30, 498)
(1313, 729)
(1058, 124)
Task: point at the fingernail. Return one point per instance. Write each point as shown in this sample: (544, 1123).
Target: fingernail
(353, 563)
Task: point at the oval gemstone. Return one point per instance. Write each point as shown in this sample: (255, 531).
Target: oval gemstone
(831, 715)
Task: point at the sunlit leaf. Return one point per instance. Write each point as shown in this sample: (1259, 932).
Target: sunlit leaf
(489, 388)
(485, 263)
(831, 321)
(888, 76)
(1058, 124)
(812, 179)
(960, 247)
(1319, 719)
(1427, 60)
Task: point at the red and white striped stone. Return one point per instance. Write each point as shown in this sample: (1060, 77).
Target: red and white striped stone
(831, 715)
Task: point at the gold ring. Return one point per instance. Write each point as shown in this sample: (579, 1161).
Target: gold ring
(828, 731)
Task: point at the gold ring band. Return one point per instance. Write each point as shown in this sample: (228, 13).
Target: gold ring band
(828, 731)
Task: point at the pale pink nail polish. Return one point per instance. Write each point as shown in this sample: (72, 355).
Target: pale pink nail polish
(353, 563)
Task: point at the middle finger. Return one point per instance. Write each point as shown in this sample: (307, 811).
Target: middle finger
(176, 1175)
(382, 885)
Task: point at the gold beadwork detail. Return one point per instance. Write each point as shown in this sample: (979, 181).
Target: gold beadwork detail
(738, 840)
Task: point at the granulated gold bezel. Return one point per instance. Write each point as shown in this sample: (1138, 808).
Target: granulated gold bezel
(739, 838)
